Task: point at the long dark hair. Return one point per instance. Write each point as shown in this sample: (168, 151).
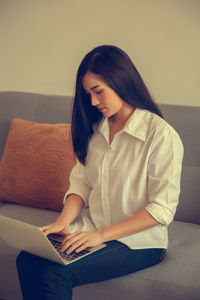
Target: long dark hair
(115, 68)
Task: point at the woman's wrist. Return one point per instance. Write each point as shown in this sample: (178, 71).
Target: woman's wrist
(71, 209)
(103, 234)
(62, 221)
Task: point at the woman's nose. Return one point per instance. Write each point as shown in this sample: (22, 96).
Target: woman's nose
(94, 100)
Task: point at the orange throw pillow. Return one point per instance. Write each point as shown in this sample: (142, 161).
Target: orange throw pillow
(36, 164)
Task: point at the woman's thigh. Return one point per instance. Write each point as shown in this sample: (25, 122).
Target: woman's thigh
(115, 260)
(50, 280)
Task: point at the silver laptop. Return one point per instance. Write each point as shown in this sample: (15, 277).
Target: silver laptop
(31, 239)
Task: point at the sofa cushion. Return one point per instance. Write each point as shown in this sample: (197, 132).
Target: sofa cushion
(36, 163)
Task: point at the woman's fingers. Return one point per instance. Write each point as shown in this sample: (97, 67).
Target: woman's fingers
(82, 247)
(54, 228)
(76, 246)
(49, 230)
(72, 236)
(80, 240)
(43, 228)
(74, 241)
(46, 229)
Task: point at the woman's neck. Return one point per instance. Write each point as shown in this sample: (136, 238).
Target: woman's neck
(121, 117)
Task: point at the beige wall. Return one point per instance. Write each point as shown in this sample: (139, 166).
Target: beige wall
(43, 41)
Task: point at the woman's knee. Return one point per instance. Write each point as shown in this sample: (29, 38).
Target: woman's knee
(55, 280)
(47, 271)
(25, 259)
(43, 278)
(22, 259)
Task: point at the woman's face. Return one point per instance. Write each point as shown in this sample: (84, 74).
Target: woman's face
(102, 96)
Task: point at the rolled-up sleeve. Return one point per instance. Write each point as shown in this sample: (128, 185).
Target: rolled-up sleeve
(164, 174)
(79, 184)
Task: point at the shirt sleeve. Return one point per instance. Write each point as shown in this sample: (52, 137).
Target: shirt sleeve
(164, 174)
(79, 184)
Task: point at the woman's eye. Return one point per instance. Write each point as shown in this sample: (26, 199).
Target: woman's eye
(98, 92)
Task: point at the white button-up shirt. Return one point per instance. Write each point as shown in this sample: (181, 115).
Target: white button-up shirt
(140, 169)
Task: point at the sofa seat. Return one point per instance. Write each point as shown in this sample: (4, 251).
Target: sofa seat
(173, 278)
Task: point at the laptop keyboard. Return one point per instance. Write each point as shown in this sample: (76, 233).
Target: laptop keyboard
(57, 245)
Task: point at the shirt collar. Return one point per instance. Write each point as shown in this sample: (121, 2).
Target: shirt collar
(135, 126)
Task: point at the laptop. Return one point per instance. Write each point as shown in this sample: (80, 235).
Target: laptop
(31, 239)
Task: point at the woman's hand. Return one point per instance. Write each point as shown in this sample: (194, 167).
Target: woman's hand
(57, 227)
(81, 240)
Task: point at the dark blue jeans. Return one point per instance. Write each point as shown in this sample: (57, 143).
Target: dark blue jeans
(42, 279)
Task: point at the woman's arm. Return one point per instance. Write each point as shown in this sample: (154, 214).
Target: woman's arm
(74, 200)
(82, 239)
(73, 205)
(137, 223)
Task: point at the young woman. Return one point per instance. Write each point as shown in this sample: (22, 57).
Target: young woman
(127, 177)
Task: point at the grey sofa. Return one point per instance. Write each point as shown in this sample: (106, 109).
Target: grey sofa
(178, 276)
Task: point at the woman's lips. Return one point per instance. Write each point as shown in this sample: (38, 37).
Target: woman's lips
(100, 108)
